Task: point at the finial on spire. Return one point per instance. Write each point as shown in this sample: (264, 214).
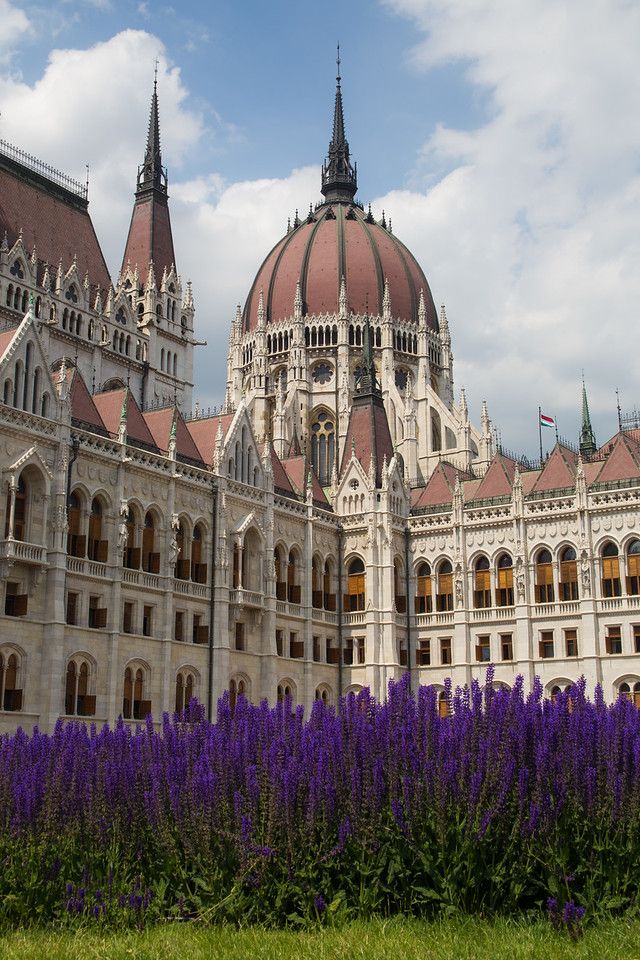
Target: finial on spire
(152, 175)
(587, 436)
(339, 176)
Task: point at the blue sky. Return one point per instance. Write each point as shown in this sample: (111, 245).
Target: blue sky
(502, 139)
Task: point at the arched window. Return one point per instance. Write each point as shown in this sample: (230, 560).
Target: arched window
(237, 688)
(610, 571)
(633, 568)
(198, 566)
(35, 393)
(631, 693)
(279, 565)
(323, 447)
(77, 700)
(44, 412)
(316, 583)
(323, 693)
(286, 693)
(482, 583)
(97, 547)
(293, 578)
(399, 595)
(8, 392)
(134, 704)
(131, 556)
(329, 597)
(183, 564)
(10, 690)
(355, 597)
(19, 511)
(424, 590)
(444, 709)
(444, 595)
(504, 593)
(544, 578)
(185, 687)
(76, 541)
(568, 575)
(150, 558)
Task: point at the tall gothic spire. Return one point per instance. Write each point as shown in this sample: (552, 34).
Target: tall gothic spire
(152, 175)
(339, 176)
(587, 436)
(150, 238)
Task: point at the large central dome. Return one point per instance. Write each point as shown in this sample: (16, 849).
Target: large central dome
(339, 240)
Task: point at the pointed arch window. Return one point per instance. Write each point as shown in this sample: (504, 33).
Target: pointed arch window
(424, 589)
(355, 598)
(568, 575)
(76, 541)
(77, 701)
(610, 571)
(150, 557)
(185, 687)
(544, 578)
(633, 568)
(323, 447)
(10, 691)
(198, 566)
(134, 704)
(444, 596)
(482, 584)
(504, 595)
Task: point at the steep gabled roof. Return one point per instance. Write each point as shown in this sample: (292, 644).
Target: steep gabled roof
(204, 430)
(558, 471)
(52, 219)
(281, 481)
(109, 406)
(623, 463)
(498, 480)
(160, 423)
(5, 340)
(83, 409)
(368, 434)
(297, 471)
(440, 486)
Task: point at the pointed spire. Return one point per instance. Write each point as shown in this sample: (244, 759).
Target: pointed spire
(386, 301)
(339, 177)
(217, 454)
(342, 301)
(587, 436)
(444, 326)
(46, 279)
(422, 310)
(367, 382)
(151, 175)
(261, 309)
(297, 303)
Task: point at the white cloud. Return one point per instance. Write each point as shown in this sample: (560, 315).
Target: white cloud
(14, 24)
(531, 236)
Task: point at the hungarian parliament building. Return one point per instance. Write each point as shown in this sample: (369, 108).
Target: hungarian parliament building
(338, 523)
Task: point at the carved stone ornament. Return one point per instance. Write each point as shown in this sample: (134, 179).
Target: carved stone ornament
(585, 574)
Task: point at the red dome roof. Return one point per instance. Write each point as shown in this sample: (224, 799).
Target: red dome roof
(339, 239)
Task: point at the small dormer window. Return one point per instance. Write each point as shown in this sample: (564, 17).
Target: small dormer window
(158, 314)
(354, 484)
(172, 288)
(127, 285)
(121, 316)
(17, 270)
(72, 294)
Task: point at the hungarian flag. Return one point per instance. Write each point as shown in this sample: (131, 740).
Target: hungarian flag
(546, 421)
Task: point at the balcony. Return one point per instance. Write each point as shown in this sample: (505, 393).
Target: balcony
(17, 551)
(246, 598)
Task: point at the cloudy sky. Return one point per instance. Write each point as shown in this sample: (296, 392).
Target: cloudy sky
(502, 138)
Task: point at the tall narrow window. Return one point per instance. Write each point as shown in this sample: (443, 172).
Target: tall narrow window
(150, 558)
(610, 571)
(482, 583)
(504, 595)
(544, 578)
(323, 447)
(134, 706)
(76, 542)
(568, 575)
(633, 568)
(10, 692)
(355, 598)
(424, 590)
(97, 547)
(20, 511)
(444, 596)
(198, 566)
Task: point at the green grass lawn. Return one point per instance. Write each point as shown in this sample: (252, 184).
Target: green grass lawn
(377, 940)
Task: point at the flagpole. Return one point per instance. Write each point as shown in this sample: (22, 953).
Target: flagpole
(540, 432)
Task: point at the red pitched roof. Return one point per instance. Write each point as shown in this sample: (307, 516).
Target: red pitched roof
(440, 486)
(498, 480)
(5, 340)
(109, 406)
(150, 236)
(203, 431)
(83, 409)
(623, 463)
(160, 423)
(558, 471)
(57, 224)
(368, 433)
(297, 470)
(280, 479)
